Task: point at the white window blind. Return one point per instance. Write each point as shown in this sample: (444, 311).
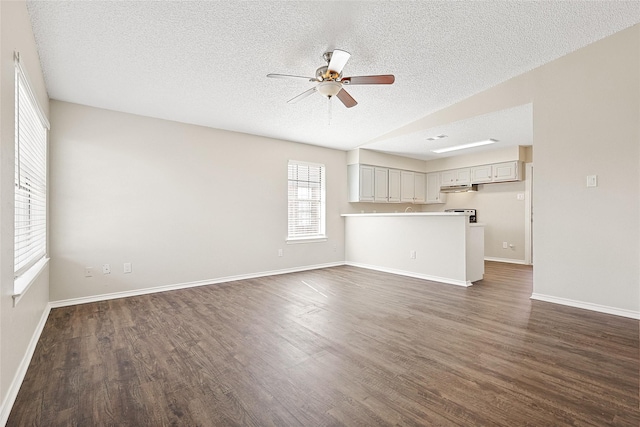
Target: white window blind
(306, 200)
(30, 176)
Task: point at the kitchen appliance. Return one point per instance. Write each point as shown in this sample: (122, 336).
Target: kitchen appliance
(472, 213)
(463, 188)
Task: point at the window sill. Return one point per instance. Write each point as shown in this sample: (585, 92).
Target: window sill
(297, 240)
(22, 284)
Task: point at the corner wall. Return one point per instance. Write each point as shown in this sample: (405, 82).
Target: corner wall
(586, 108)
(183, 204)
(20, 325)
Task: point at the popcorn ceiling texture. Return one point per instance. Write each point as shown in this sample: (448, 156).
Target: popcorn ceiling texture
(205, 62)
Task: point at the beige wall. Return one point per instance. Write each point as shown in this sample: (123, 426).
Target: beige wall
(586, 108)
(500, 211)
(585, 121)
(17, 324)
(182, 203)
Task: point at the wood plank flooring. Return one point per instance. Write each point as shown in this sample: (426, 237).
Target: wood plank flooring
(338, 346)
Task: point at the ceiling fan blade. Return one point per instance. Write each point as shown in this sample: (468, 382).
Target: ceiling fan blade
(384, 79)
(301, 96)
(346, 99)
(339, 59)
(289, 76)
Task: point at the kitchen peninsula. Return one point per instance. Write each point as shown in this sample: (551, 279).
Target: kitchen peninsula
(438, 246)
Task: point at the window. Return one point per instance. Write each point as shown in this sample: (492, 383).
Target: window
(306, 201)
(30, 177)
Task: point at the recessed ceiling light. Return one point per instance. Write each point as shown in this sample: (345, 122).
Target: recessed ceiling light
(434, 138)
(463, 146)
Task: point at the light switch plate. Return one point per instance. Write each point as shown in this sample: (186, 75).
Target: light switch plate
(592, 180)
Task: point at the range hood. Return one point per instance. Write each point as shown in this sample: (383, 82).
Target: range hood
(458, 188)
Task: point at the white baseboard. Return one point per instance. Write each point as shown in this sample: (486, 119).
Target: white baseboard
(153, 290)
(412, 274)
(587, 306)
(14, 387)
(508, 260)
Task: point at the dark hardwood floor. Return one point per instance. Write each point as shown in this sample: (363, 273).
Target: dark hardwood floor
(338, 346)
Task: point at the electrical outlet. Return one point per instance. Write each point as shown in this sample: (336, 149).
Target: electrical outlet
(520, 196)
(88, 272)
(280, 252)
(505, 245)
(127, 267)
(412, 254)
(592, 180)
(106, 269)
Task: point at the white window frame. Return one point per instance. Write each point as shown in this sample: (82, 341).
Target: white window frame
(317, 233)
(30, 184)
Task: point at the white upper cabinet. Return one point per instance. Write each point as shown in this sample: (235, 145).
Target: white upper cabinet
(433, 189)
(480, 174)
(384, 185)
(497, 172)
(407, 186)
(507, 171)
(381, 185)
(394, 186)
(361, 183)
(419, 189)
(412, 187)
(456, 177)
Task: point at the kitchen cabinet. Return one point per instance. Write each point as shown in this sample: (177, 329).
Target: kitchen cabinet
(394, 186)
(433, 194)
(381, 185)
(507, 171)
(412, 187)
(497, 172)
(384, 185)
(456, 177)
(419, 189)
(361, 183)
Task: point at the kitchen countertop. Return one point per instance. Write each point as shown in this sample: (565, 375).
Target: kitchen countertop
(408, 214)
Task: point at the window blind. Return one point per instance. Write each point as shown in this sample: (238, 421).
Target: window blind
(30, 177)
(306, 200)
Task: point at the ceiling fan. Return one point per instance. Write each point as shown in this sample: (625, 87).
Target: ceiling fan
(330, 81)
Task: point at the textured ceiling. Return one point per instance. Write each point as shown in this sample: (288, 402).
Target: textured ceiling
(205, 62)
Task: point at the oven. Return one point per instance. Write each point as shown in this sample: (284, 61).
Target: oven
(472, 213)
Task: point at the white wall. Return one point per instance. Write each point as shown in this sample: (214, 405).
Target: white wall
(17, 324)
(500, 211)
(586, 108)
(182, 203)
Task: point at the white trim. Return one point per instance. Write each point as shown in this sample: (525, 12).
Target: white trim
(507, 260)
(22, 283)
(465, 283)
(587, 306)
(14, 387)
(528, 213)
(165, 288)
(297, 240)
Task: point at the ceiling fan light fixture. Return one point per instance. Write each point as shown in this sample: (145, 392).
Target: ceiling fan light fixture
(329, 88)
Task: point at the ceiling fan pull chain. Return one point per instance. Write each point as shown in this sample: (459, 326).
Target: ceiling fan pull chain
(329, 110)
